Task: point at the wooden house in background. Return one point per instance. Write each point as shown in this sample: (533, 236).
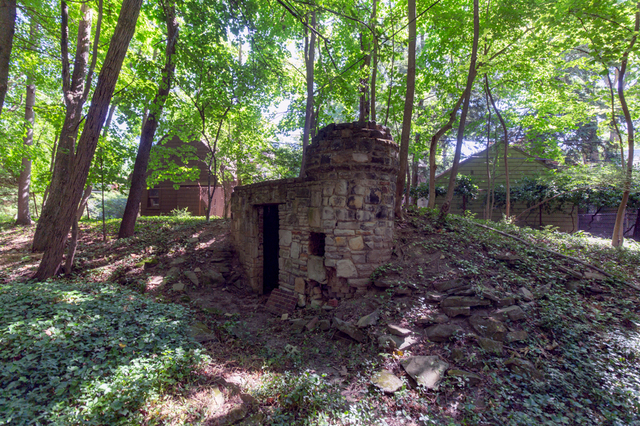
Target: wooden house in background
(521, 164)
(164, 197)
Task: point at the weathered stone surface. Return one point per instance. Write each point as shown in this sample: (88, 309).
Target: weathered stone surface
(490, 345)
(178, 261)
(527, 294)
(299, 285)
(179, 286)
(516, 336)
(442, 332)
(285, 237)
(523, 367)
(488, 327)
(302, 300)
(594, 276)
(217, 398)
(356, 243)
(315, 269)
(387, 341)
(370, 319)
(468, 377)
(324, 325)
(298, 325)
(346, 269)
(349, 329)
(506, 301)
(455, 312)
(450, 285)
(461, 301)
(192, 277)
(398, 331)
(514, 313)
(427, 371)
(213, 278)
(386, 381)
(311, 325)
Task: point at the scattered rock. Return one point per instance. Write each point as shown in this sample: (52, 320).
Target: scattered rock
(297, 325)
(217, 399)
(192, 277)
(427, 371)
(156, 280)
(302, 300)
(491, 346)
(311, 325)
(213, 278)
(387, 381)
(571, 272)
(442, 332)
(234, 415)
(507, 301)
(388, 341)
(523, 367)
(457, 354)
(542, 291)
(447, 286)
(324, 325)
(471, 378)
(370, 319)
(573, 285)
(488, 327)
(178, 286)
(178, 261)
(398, 331)
(435, 297)
(438, 319)
(594, 276)
(454, 312)
(192, 240)
(508, 258)
(349, 329)
(514, 313)
(527, 294)
(516, 336)
(461, 301)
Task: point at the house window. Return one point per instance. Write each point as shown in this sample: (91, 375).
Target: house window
(153, 201)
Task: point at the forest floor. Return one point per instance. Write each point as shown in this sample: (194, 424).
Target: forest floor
(496, 331)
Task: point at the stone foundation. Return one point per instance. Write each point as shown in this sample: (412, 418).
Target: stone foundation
(335, 225)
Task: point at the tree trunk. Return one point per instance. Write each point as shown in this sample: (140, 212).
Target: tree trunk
(505, 135)
(618, 229)
(73, 97)
(444, 210)
(310, 47)
(414, 171)
(138, 178)
(73, 243)
(365, 102)
(63, 203)
(24, 181)
(487, 209)
(374, 61)
(7, 29)
(408, 109)
(433, 148)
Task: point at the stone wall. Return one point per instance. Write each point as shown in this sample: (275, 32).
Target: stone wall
(336, 224)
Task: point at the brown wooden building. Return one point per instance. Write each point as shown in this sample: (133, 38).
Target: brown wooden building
(164, 197)
(521, 164)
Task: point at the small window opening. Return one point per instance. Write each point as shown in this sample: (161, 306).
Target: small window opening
(153, 200)
(316, 243)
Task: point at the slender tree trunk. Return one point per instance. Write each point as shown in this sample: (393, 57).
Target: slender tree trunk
(310, 47)
(7, 29)
(433, 147)
(414, 171)
(618, 229)
(73, 96)
(73, 243)
(487, 209)
(24, 180)
(65, 201)
(444, 210)
(374, 61)
(507, 180)
(138, 179)
(365, 101)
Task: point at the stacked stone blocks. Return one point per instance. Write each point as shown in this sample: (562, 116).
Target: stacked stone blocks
(336, 224)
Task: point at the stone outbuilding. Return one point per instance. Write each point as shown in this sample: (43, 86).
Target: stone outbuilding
(320, 237)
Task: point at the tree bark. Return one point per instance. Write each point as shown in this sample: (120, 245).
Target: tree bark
(63, 203)
(433, 148)
(24, 180)
(138, 179)
(618, 229)
(408, 109)
(374, 61)
(488, 206)
(310, 46)
(507, 180)
(7, 29)
(444, 210)
(73, 91)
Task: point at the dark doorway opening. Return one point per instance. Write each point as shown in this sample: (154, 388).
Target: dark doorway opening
(271, 248)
